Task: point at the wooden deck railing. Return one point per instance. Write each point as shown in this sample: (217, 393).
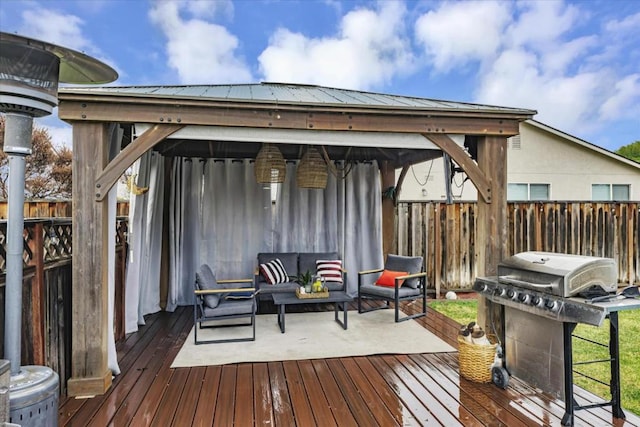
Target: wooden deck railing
(46, 294)
(445, 235)
(53, 209)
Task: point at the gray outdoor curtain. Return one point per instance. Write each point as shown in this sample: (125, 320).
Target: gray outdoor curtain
(219, 215)
(142, 287)
(235, 219)
(345, 217)
(184, 229)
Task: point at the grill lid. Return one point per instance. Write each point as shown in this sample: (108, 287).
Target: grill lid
(558, 274)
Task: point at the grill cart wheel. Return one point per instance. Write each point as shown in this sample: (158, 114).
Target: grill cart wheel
(500, 376)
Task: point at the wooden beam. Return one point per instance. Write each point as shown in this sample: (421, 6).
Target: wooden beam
(492, 222)
(278, 118)
(481, 179)
(388, 179)
(132, 152)
(90, 374)
(403, 174)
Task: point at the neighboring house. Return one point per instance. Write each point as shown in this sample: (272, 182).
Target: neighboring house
(543, 164)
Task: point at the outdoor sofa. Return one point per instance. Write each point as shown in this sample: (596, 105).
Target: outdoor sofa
(295, 263)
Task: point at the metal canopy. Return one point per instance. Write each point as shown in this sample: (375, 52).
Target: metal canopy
(279, 94)
(245, 142)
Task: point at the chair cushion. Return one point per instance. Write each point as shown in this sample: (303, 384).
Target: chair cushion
(388, 278)
(206, 280)
(307, 260)
(329, 269)
(231, 307)
(386, 292)
(274, 272)
(412, 265)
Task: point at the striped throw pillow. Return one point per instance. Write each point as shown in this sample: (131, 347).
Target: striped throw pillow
(330, 270)
(274, 272)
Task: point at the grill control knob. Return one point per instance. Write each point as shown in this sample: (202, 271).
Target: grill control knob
(511, 294)
(536, 300)
(550, 305)
(523, 297)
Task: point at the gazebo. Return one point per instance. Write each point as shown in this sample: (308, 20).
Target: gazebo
(232, 122)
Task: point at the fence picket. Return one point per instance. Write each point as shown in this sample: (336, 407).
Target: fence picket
(445, 235)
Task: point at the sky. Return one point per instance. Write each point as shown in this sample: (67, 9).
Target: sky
(576, 62)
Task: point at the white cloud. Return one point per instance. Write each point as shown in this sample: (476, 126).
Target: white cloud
(528, 54)
(625, 100)
(459, 32)
(65, 30)
(628, 24)
(541, 24)
(369, 50)
(53, 27)
(200, 51)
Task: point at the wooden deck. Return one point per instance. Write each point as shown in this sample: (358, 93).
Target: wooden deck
(423, 389)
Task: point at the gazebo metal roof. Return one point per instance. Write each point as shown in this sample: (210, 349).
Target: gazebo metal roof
(296, 94)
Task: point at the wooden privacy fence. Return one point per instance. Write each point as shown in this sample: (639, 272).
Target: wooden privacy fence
(53, 209)
(46, 292)
(445, 235)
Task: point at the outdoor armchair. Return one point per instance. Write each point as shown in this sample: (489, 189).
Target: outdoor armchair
(218, 301)
(401, 279)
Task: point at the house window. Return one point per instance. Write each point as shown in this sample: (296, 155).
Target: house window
(610, 192)
(528, 192)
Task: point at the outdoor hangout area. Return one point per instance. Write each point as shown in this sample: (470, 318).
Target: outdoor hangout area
(261, 278)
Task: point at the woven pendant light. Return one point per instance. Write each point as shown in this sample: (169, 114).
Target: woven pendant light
(312, 170)
(270, 166)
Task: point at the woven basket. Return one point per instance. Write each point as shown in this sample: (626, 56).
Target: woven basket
(476, 360)
(312, 170)
(270, 165)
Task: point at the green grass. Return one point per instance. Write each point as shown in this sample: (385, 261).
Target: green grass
(464, 311)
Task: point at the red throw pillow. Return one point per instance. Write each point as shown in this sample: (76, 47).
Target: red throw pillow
(388, 278)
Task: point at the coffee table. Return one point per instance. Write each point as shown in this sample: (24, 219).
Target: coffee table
(338, 298)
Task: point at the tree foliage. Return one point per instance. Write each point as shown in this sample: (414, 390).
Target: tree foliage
(47, 169)
(631, 151)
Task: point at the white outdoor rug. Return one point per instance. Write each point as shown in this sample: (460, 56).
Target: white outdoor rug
(312, 335)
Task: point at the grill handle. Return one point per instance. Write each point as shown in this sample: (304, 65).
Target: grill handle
(524, 284)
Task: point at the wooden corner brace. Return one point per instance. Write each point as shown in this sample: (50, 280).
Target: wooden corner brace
(130, 154)
(473, 171)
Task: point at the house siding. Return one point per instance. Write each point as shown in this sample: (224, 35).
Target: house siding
(570, 168)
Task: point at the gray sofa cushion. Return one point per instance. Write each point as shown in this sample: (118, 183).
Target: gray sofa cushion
(279, 287)
(206, 280)
(334, 286)
(404, 263)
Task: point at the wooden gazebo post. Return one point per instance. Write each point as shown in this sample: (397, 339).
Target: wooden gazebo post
(90, 374)
(491, 242)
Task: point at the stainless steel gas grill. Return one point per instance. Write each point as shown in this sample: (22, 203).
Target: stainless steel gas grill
(542, 297)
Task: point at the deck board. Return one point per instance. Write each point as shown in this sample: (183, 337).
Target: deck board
(385, 390)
